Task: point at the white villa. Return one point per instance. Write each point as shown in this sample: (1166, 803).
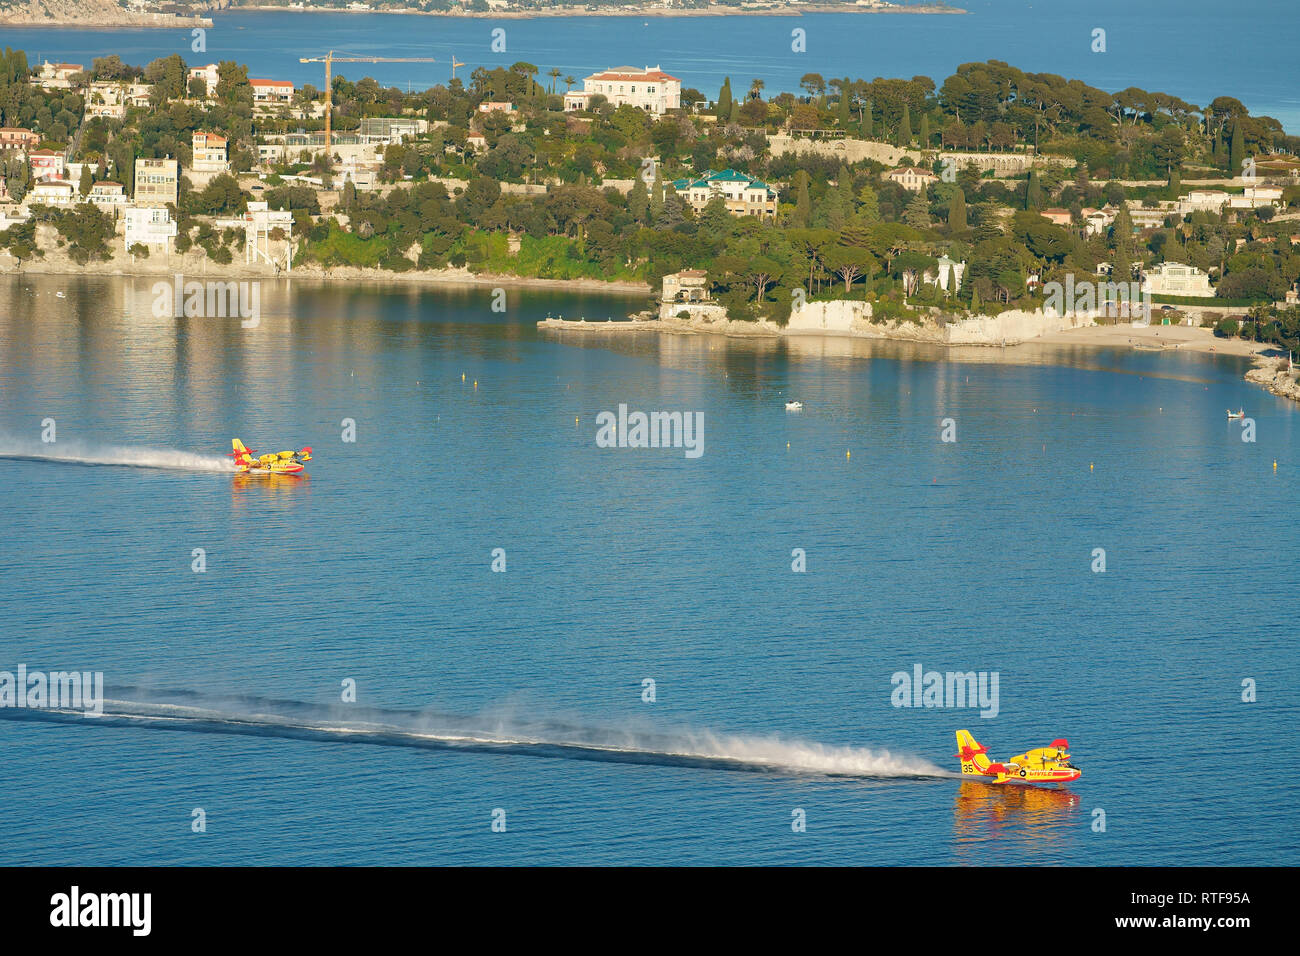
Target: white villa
(1175, 278)
(911, 178)
(208, 74)
(148, 226)
(947, 275)
(650, 89)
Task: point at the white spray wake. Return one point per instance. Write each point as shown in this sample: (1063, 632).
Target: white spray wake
(546, 738)
(81, 453)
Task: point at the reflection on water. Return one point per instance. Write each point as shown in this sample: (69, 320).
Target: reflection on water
(1010, 823)
(264, 486)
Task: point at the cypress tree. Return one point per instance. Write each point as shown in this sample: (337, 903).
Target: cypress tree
(1238, 150)
(724, 100)
(866, 120)
(905, 127)
(925, 130)
(735, 111)
(1033, 191)
(844, 106)
(803, 202)
(957, 212)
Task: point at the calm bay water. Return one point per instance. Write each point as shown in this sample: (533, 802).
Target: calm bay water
(1194, 49)
(523, 691)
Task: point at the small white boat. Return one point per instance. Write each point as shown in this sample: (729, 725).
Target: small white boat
(1239, 413)
(794, 406)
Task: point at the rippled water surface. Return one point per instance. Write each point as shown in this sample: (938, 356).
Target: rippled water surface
(523, 691)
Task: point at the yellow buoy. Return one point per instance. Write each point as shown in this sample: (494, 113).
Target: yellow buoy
(848, 454)
(462, 376)
(476, 383)
(575, 419)
(787, 445)
(1090, 466)
(1275, 464)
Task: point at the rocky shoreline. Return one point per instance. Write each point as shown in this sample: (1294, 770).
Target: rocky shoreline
(1273, 376)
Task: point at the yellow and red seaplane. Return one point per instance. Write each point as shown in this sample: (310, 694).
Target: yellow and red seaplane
(275, 463)
(1050, 764)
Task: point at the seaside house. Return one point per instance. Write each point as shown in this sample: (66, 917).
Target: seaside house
(476, 142)
(109, 196)
(1203, 200)
(947, 274)
(209, 152)
(389, 130)
(912, 178)
(1254, 197)
(148, 226)
(1176, 278)
(271, 91)
(1097, 221)
(496, 106)
(52, 192)
(156, 182)
(689, 285)
(17, 137)
(649, 88)
(1058, 216)
(57, 76)
(743, 195)
(112, 99)
(209, 75)
(48, 164)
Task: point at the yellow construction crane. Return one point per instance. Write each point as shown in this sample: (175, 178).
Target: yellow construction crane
(455, 63)
(329, 59)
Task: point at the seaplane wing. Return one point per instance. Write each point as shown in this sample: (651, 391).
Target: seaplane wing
(248, 462)
(1050, 764)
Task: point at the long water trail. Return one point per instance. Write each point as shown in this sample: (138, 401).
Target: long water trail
(501, 733)
(133, 456)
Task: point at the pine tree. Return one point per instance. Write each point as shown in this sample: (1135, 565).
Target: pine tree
(905, 127)
(957, 212)
(869, 208)
(918, 211)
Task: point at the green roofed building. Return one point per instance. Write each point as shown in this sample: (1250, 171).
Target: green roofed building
(744, 195)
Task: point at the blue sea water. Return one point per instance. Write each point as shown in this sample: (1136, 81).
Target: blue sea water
(522, 692)
(1193, 49)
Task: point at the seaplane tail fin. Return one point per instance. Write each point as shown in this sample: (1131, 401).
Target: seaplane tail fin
(974, 758)
(237, 446)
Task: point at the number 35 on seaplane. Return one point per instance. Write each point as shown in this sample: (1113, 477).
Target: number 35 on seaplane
(275, 463)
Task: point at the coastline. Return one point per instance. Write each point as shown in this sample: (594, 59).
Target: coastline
(127, 21)
(199, 267)
(559, 12)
